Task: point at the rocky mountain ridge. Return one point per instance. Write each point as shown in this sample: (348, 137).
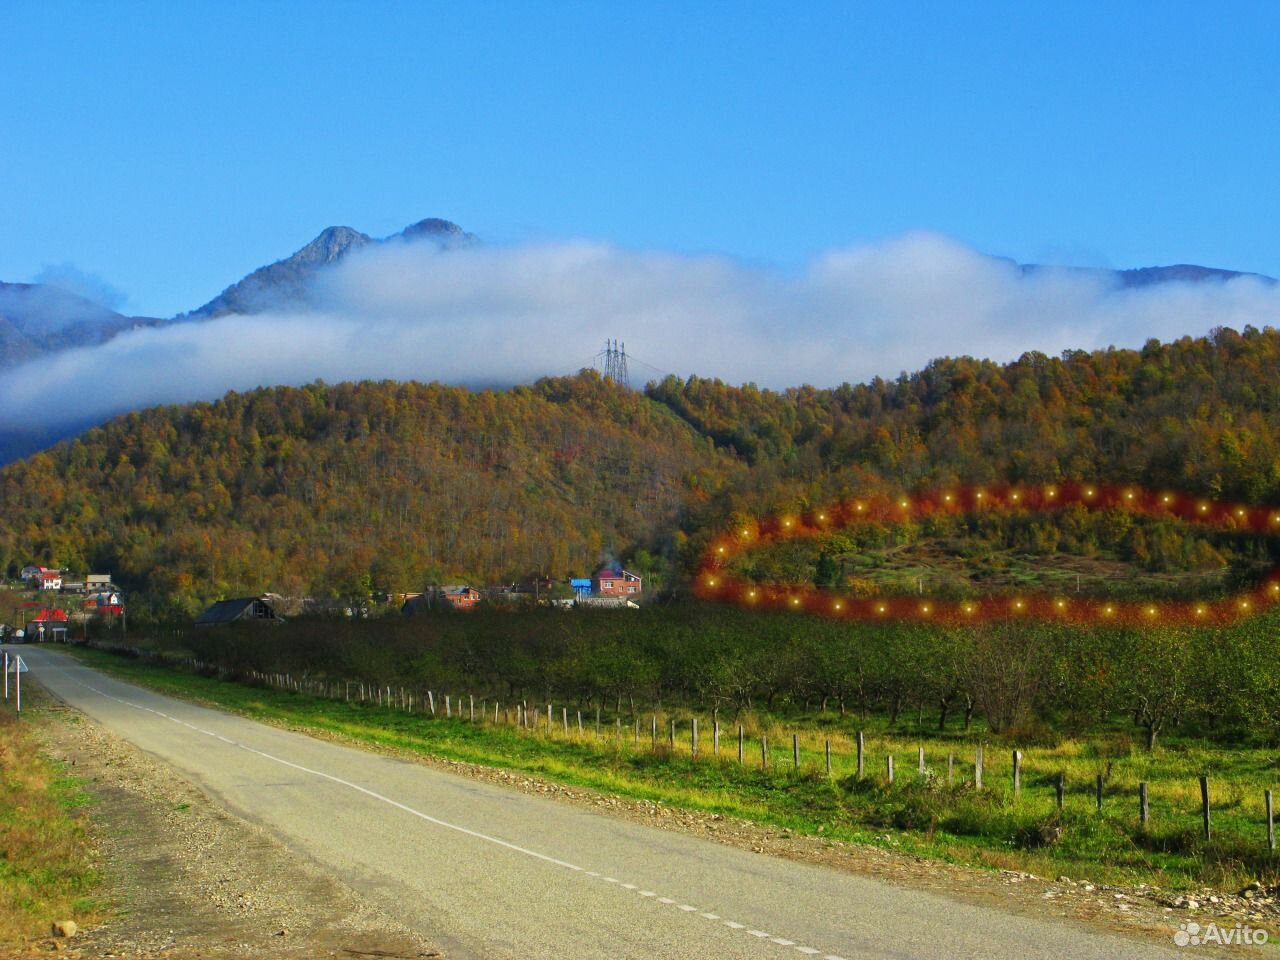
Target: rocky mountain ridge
(287, 283)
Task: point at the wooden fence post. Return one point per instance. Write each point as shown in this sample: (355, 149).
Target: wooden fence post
(564, 719)
(1144, 811)
(431, 699)
(977, 768)
(715, 737)
(1017, 773)
(951, 768)
(795, 751)
(671, 736)
(920, 761)
(862, 755)
(548, 719)
(693, 739)
(473, 707)
(1059, 788)
(579, 723)
(827, 751)
(655, 731)
(889, 768)
(1204, 804)
(1097, 791)
(741, 739)
(448, 706)
(764, 752)
(1271, 825)
(597, 722)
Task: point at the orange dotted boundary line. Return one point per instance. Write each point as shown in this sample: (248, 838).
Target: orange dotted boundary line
(713, 583)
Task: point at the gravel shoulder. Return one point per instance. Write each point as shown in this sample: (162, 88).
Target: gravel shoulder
(184, 878)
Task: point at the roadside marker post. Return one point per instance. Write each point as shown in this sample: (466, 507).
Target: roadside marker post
(15, 665)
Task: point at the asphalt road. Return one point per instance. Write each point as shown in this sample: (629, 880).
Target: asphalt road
(492, 873)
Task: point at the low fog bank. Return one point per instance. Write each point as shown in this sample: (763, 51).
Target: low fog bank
(486, 316)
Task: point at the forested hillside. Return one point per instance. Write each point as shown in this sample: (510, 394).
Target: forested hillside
(1200, 415)
(337, 490)
(334, 490)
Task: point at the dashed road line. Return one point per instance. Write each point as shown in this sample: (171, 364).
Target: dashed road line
(684, 907)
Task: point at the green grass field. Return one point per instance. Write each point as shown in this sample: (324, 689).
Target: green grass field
(923, 815)
(950, 568)
(46, 870)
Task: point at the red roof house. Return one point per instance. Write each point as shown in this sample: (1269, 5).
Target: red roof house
(616, 583)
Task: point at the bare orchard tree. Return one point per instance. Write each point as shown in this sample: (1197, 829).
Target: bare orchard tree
(1002, 667)
(1159, 676)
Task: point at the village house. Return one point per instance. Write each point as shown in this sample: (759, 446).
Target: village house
(460, 598)
(616, 583)
(48, 580)
(98, 583)
(104, 604)
(257, 609)
(48, 624)
(32, 573)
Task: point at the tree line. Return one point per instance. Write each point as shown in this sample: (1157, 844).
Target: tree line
(1021, 679)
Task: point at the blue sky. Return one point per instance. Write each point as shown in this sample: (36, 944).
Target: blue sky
(171, 148)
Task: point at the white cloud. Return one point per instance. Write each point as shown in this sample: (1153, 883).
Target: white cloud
(499, 316)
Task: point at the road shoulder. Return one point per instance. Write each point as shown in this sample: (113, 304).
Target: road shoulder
(185, 878)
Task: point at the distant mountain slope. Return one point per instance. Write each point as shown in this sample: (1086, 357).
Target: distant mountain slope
(1148, 276)
(1182, 273)
(286, 284)
(38, 319)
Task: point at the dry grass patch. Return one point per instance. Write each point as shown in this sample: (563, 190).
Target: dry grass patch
(46, 868)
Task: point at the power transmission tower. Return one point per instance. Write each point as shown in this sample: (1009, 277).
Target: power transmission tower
(615, 363)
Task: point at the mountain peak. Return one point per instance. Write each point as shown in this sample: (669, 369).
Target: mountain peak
(445, 233)
(331, 245)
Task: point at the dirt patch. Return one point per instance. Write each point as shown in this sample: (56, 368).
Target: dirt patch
(186, 879)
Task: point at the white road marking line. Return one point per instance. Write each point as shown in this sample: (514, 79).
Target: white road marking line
(359, 789)
(759, 934)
